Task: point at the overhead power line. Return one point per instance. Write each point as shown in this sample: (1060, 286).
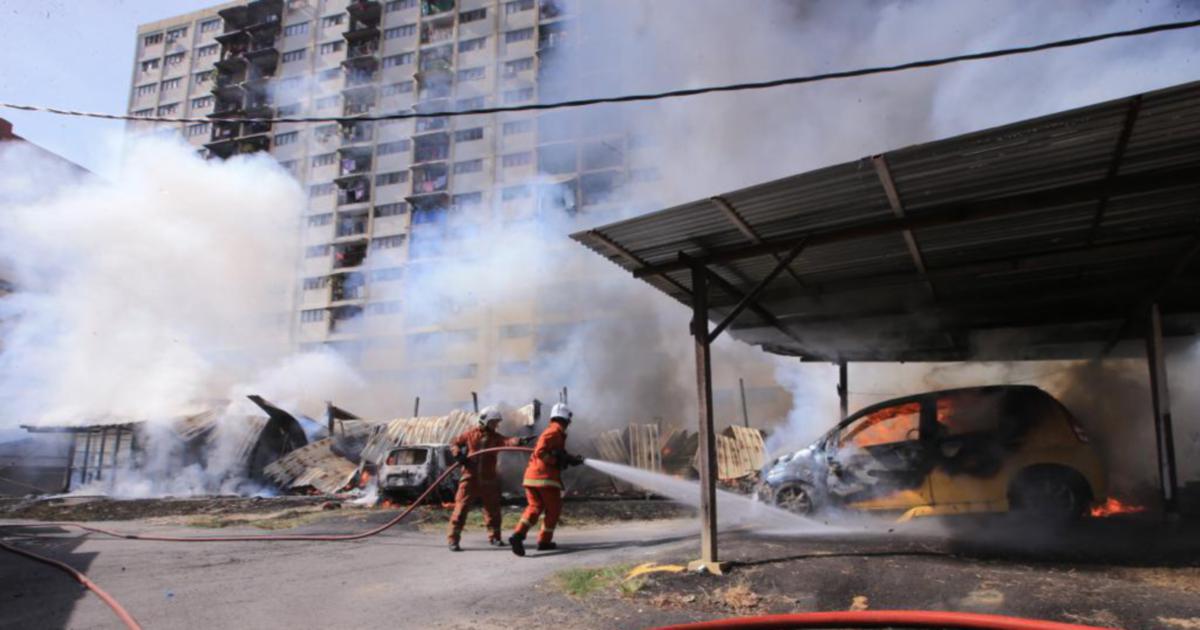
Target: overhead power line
(651, 96)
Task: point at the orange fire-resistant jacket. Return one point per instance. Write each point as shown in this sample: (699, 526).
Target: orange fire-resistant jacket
(477, 439)
(544, 469)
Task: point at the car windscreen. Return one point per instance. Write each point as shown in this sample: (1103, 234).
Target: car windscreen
(407, 457)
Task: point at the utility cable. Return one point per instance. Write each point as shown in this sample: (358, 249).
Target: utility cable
(651, 96)
(108, 600)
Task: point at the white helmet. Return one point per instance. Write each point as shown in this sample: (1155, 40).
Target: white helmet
(489, 414)
(560, 410)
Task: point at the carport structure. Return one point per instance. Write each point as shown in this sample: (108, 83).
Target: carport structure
(1052, 238)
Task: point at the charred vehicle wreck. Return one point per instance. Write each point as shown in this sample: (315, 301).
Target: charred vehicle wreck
(981, 449)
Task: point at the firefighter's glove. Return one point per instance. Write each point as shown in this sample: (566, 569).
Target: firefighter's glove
(527, 440)
(567, 460)
(461, 457)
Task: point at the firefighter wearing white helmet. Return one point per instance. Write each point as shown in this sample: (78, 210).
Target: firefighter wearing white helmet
(479, 480)
(543, 482)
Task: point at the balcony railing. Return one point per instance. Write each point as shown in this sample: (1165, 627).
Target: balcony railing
(431, 153)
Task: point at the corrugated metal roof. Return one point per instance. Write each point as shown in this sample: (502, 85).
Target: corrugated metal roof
(1056, 231)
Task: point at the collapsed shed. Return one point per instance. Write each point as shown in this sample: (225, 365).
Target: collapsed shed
(1056, 237)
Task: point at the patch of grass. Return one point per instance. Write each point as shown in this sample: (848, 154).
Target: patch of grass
(281, 520)
(584, 582)
(508, 520)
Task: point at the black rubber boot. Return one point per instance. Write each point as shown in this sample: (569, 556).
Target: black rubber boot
(496, 542)
(454, 547)
(547, 546)
(518, 544)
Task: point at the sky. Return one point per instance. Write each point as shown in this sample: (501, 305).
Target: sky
(75, 54)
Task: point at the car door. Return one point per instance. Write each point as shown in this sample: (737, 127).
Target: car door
(879, 460)
(974, 435)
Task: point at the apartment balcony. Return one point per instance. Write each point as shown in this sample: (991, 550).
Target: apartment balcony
(356, 132)
(554, 36)
(227, 148)
(366, 11)
(358, 108)
(223, 148)
(428, 125)
(352, 162)
(262, 12)
(358, 31)
(436, 7)
(226, 107)
(265, 58)
(347, 255)
(351, 226)
(551, 9)
(256, 127)
(428, 152)
(360, 53)
(353, 190)
(347, 286)
(430, 179)
(235, 18)
(437, 31)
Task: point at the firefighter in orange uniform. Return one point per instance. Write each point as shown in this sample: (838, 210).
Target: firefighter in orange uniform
(543, 482)
(479, 480)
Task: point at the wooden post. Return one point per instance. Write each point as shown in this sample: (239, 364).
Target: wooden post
(417, 407)
(843, 388)
(87, 456)
(329, 416)
(745, 413)
(707, 444)
(1160, 397)
(475, 401)
(70, 464)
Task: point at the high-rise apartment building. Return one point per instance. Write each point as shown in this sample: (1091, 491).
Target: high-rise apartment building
(390, 198)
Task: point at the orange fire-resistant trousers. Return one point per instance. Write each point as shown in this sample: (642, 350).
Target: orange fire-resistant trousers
(470, 490)
(541, 499)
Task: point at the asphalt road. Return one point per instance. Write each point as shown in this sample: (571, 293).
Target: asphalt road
(404, 579)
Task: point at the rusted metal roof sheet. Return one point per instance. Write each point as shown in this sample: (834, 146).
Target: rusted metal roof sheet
(1057, 231)
(423, 430)
(316, 465)
(740, 453)
(611, 446)
(643, 447)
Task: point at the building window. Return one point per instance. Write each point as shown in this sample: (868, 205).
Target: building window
(517, 159)
(293, 55)
(327, 102)
(209, 26)
(519, 35)
(149, 64)
(516, 6)
(286, 138)
(466, 199)
(391, 209)
(515, 192)
(197, 129)
(312, 315)
(320, 190)
(203, 101)
(516, 96)
(316, 282)
(144, 90)
(396, 32)
(467, 45)
(387, 242)
(317, 220)
(330, 47)
(403, 87)
(467, 135)
(151, 40)
(169, 109)
(399, 146)
(289, 110)
(176, 33)
(325, 132)
(402, 59)
(206, 51)
(387, 179)
(332, 20)
(200, 78)
(472, 16)
(469, 166)
(295, 29)
(471, 74)
(173, 60)
(511, 68)
(400, 5)
(325, 159)
(517, 126)
(475, 102)
(171, 84)
(144, 113)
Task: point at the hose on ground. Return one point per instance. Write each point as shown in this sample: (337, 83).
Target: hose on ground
(276, 537)
(880, 619)
(111, 602)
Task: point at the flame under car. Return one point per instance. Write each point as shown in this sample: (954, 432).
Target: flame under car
(981, 449)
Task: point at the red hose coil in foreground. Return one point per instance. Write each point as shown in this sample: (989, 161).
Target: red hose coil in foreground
(880, 619)
(112, 603)
(309, 537)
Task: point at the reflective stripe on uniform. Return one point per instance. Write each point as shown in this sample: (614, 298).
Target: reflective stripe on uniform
(541, 483)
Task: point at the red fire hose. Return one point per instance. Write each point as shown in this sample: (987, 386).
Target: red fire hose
(112, 603)
(880, 619)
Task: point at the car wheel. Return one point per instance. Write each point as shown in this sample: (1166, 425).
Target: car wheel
(1052, 497)
(794, 498)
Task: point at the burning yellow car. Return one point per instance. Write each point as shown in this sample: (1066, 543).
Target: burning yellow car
(979, 449)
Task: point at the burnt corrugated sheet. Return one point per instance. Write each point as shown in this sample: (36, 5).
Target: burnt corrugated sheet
(316, 465)
(1062, 227)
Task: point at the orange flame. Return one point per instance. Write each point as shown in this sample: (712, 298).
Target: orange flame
(1113, 506)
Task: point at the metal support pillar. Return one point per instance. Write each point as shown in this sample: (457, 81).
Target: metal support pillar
(87, 457)
(707, 443)
(745, 411)
(329, 416)
(1160, 396)
(843, 388)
